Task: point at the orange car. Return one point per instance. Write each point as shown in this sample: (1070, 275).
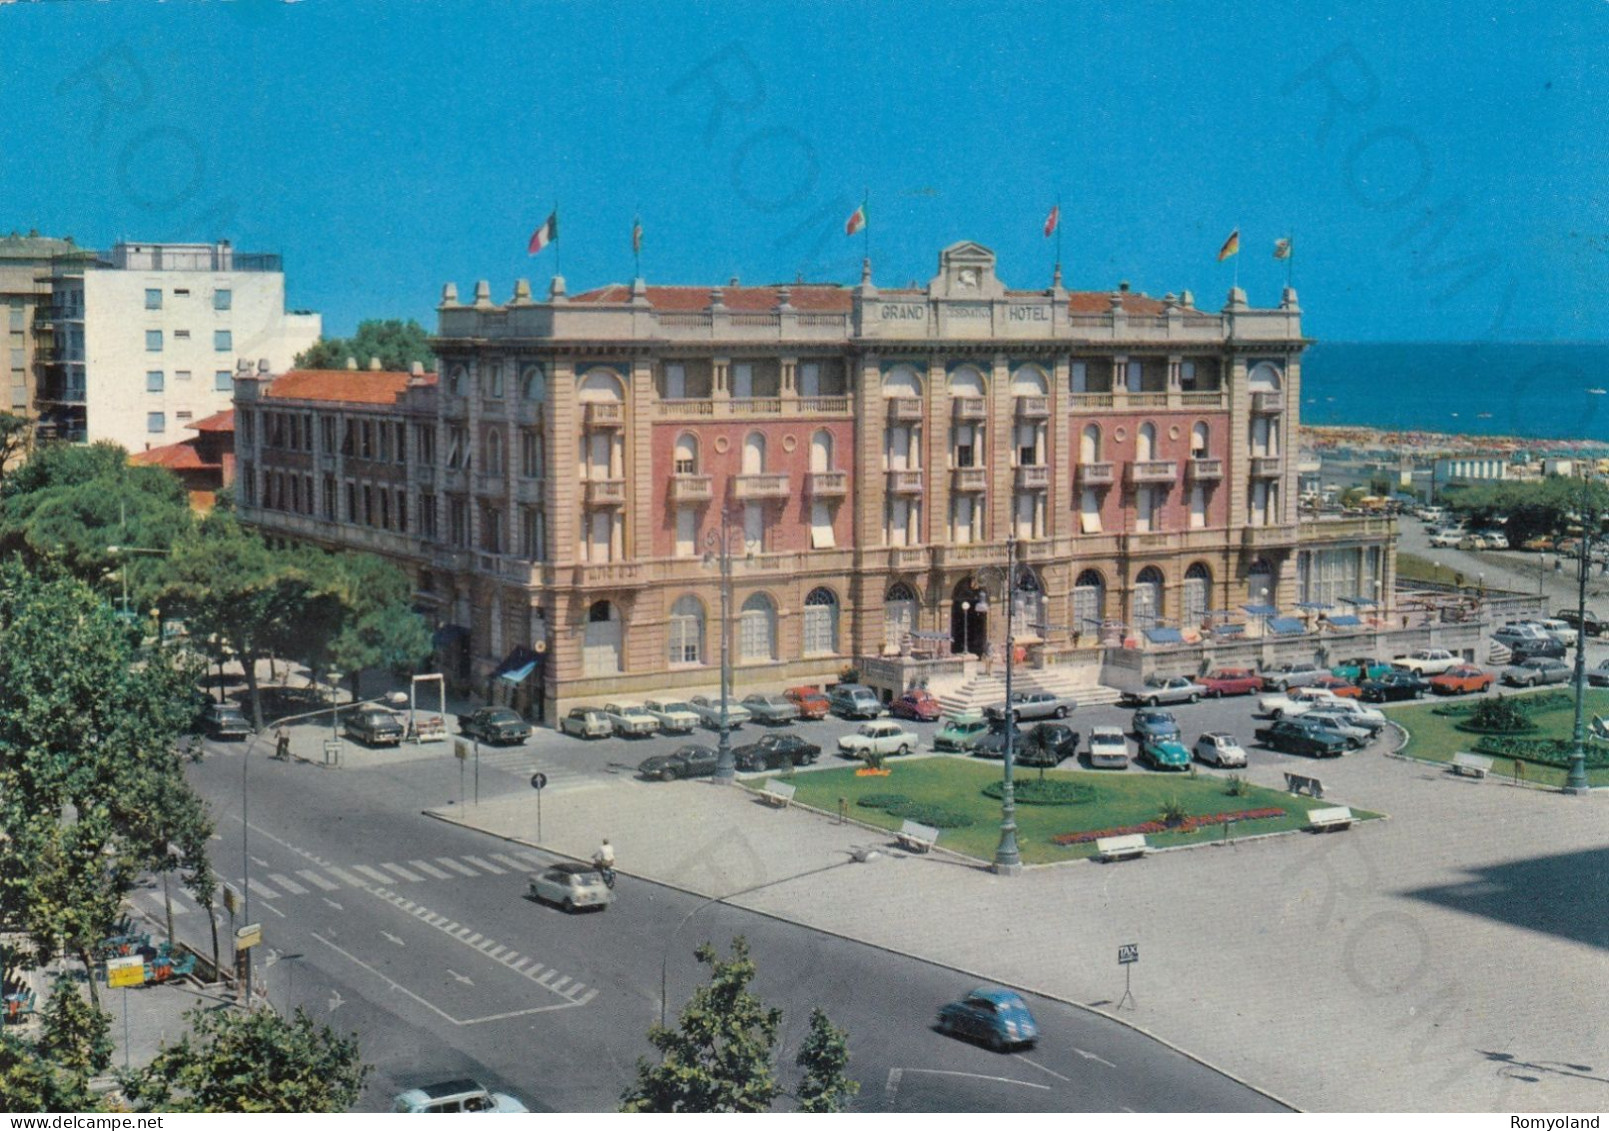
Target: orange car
(812, 704)
(1337, 686)
(1461, 680)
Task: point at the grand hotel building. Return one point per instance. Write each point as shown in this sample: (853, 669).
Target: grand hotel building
(557, 488)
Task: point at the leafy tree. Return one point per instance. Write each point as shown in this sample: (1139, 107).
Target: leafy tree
(396, 343)
(824, 1057)
(1551, 506)
(251, 1062)
(30, 1082)
(16, 436)
(74, 1033)
(379, 628)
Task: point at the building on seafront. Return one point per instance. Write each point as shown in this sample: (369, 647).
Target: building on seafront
(25, 262)
(554, 491)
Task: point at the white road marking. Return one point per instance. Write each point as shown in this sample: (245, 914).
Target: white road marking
(558, 985)
(448, 862)
(373, 874)
(392, 938)
(977, 1076)
(1092, 1056)
(333, 904)
(287, 883)
(430, 870)
(336, 1000)
(459, 977)
(891, 1089)
(522, 964)
(474, 938)
(546, 980)
(487, 864)
(275, 910)
(532, 858)
(259, 861)
(501, 859)
(403, 872)
(261, 889)
(345, 877)
(317, 880)
(1042, 1068)
(499, 952)
(162, 907)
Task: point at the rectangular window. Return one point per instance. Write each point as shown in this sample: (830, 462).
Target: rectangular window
(1134, 376)
(16, 314)
(742, 381)
(1089, 511)
(1198, 506)
(1187, 376)
(153, 341)
(427, 444)
(181, 375)
(531, 534)
(181, 292)
(223, 341)
(964, 515)
(402, 442)
(530, 453)
(402, 510)
(327, 427)
(351, 501)
(427, 514)
(809, 379)
(223, 381)
(153, 381)
(181, 335)
(753, 528)
(385, 509)
(156, 422)
(821, 532)
(153, 298)
(1080, 377)
(675, 382)
(329, 497)
(458, 521)
(686, 532)
(223, 299)
(966, 453)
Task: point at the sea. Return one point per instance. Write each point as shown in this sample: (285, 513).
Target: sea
(1552, 391)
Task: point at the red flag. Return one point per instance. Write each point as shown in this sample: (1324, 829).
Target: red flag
(856, 221)
(1052, 220)
(546, 234)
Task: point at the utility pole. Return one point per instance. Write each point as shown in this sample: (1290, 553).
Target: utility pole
(1575, 782)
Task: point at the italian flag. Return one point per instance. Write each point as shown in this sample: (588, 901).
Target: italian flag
(856, 221)
(1052, 220)
(546, 234)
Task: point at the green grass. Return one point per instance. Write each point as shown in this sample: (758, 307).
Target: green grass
(1412, 567)
(1120, 799)
(1435, 739)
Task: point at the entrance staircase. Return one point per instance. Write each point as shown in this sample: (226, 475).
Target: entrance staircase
(981, 690)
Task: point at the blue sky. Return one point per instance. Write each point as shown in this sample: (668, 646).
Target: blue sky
(1441, 169)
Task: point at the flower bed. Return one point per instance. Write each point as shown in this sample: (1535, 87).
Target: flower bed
(922, 812)
(1545, 751)
(1188, 825)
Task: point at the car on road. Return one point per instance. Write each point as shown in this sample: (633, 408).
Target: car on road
(1561, 631)
(1108, 748)
(1353, 713)
(1164, 754)
(494, 725)
(224, 721)
(1029, 705)
(1231, 681)
(1219, 749)
(1335, 685)
(1158, 690)
(1535, 672)
(773, 710)
(709, 711)
(1360, 668)
(1447, 539)
(855, 701)
(1549, 647)
(1355, 737)
(374, 726)
(630, 720)
(675, 716)
(996, 1017)
(1394, 686)
(571, 885)
(1599, 676)
(878, 737)
(1048, 744)
(812, 703)
(1149, 723)
(1427, 661)
(923, 706)
(690, 761)
(1465, 679)
(1283, 677)
(586, 722)
(1291, 736)
(960, 732)
(1592, 624)
(993, 744)
(773, 751)
(454, 1096)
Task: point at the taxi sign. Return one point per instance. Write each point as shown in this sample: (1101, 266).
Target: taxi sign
(121, 972)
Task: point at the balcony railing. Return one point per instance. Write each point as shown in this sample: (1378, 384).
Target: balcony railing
(595, 574)
(971, 408)
(1099, 474)
(971, 479)
(528, 490)
(691, 488)
(914, 558)
(1033, 478)
(827, 484)
(1033, 408)
(1196, 398)
(1268, 404)
(605, 414)
(606, 492)
(1265, 467)
(1086, 401)
(751, 406)
(1148, 400)
(1262, 537)
(904, 408)
(905, 482)
(829, 405)
(1153, 471)
(1204, 470)
(760, 486)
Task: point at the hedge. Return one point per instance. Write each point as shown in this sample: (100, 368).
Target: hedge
(880, 800)
(923, 812)
(1546, 751)
(1528, 704)
(1030, 791)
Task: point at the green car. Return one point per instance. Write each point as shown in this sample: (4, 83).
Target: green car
(1360, 668)
(960, 734)
(1165, 754)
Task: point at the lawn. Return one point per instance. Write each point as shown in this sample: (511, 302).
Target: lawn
(1118, 799)
(1435, 739)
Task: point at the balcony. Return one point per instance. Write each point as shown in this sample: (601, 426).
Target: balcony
(605, 492)
(908, 558)
(827, 484)
(971, 408)
(594, 574)
(691, 488)
(1153, 471)
(1265, 467)
(905, 482)
(970, 554)
(1268, 404)
(969, 480)
(528, 490)
(1086, 401)
(1203, 470)
(605, 414)
(1266, 537)
(1102, 474)
(905, 408)
(760, 486)
(1033, 478)
(490, 483)
(1033, 408)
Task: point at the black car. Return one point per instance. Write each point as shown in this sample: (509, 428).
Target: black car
(1292, 736)
(494, 725)
(224, 721)
(1394, 685)
(374, 726)
(1549, 648)
(774, 750)
(690, 761)
(1591, 626)
(993, 744)
(1047, 745)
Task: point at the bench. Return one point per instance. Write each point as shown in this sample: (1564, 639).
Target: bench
(916, 837)
(1298, 784)
(1132, 847)
(1329, 820)
(1471, 765)
(20, 1006)
(778, 793)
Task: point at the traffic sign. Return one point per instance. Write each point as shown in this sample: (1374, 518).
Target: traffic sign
(539, 780)
(128, 971)
(231, 899)
(248, 936)
(1128, 953)
(460, 750)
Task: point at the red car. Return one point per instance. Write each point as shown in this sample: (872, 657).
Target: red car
(1461, 680)
(1231, 681)
(812, 704)
(920, 705)
(1337, 686)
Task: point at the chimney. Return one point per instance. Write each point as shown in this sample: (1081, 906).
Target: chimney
(417, 369)
(262, 365)
(449, 294)
(483, 293)
(522, 292)
(374, 365)
(351, 363)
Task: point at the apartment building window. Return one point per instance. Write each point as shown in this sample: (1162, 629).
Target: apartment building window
(899, 616)
(248, 484)
(822, 536)
(685, 461)
(809, 379)
(427, 514)
(153, 381)
(1134, 376)
(327, 427)
(1089, 511)
(757, 629)
(385, 509)
(533, 534)
(402, 510)
(1030, 515)
(458, 522)
(223, 381)
(1080, 376)
(1187, 376)
(401, 430)
(1089, 602)
(1147, 510)
(181, 335)
(329, 497)
(366, 439)
(351, 501)
(156, 422)
(384, 435)
(153, 341)
(1194, 596)
(675, 382)
(686, 631)
(223, 299)
(491, 524)
(1198, 506)
(964, 520)
(1147, 601)
(457, 447)
(686, 532)
(426, 439)
(494, 452)
(248, 426)
(530, 453)
(223, 341)
(533, 385)
(902, 522)
(820, 623)
(153, 298)
(181, 375)
(967, 450)
(742, 380)
(1030, 445)
(753, 528)
(368, 505)
(296, 493)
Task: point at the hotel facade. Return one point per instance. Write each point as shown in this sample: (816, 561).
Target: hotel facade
(558, 490)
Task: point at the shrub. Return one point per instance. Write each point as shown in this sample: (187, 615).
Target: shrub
(927, 813)
(1498, 715)
(1173, 812)
(881, 800)
(1191, 824)
(1031, 792)
(1235, 786)
(1543, 751)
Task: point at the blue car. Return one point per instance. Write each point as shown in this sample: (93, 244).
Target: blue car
(998, 1018)
(1165, 754)
(1151, 723)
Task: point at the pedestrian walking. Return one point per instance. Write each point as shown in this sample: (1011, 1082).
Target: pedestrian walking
(282, 743)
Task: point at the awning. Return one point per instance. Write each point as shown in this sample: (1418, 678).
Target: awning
(1314, 606)
(1286, 626)
(928, 635)
(1164, 636)
(1360, 602)
(1229, 630)
(1260, 610)
(517, 666)
(1345, 622)
(449, 634)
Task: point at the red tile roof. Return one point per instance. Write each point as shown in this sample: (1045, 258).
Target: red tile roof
(818, 297)
(175, 457)
(218, 422)
(349, 386)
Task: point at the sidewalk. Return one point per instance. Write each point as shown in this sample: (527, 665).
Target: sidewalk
(1449, 958)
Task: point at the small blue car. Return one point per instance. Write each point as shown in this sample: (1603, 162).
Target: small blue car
(996, 1017)
(1150, 723)
(1165, 754)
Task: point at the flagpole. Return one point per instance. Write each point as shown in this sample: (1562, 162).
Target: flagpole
(636, 246)
(866, 227)
(1058, 233)
(1290, 258)
(1236, 283)
(556, 263)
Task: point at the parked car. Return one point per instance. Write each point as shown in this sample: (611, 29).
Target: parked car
(1108, 749)
(571, 885)
(774, 710)
(374, 726)
(772, 751)
(960, 733)
(1156, 691)
(1393, 686)
(1535, 672)
(993, 744)
(690, 761)
(1218, 749)
(1462, 680)
(675, 716)
(1592, 625)
(1561, 631)
(1048, 744)
(495, 725)
(1427, 661)
(998, 1018)
(1472, 542)
(1447, 539)
(225, 722)
(1231, 681)
(1149, 723)
(1282, 677)
(1599, 676)
(881, 737)
(812, 704)
(586, 722)
(1514, 633)
(453, 1096)
(1029, 705)
(1495, 540)
(1549, 647)
(709, 711)
(1290, 736)
(1352, 713)
(1360, 668)
(1282, 705)
(855, 701)
(1355, 737)
(1335, 685)
(630, 720)
(1542, 542)
(917, 704)
(1164, 754)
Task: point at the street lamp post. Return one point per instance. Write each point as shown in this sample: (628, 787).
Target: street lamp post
(1007, 857)
(1576, 780)
(719, 552)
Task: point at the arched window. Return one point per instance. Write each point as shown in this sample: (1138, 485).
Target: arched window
(757, 629)
(1147, 601)
(1089, 444)
(899, 615)
(1199, 437)
(687, 631)
(533, 384)
(1027, 603)
(600, 647)
(494, 452)
(494, 380)
(966, 382)
(1260, 583)
(820, 622)
(753, 453)
(1089, 603)
(902, 381)
(686, 458)
(1264, 378)
(1145, 442)
(600, 385)
(821, 451)
(1028, 381)
(1194, 597)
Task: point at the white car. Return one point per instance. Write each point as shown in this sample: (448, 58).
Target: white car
(1447, 539)
(1298, 701)
(1427, 661)
(632, 720)
(675, 717)
(1108, 748)
(1371, 719)
(454, 1096)
(1495, 541)
(1220, 750)
(709, 710)
(884, 737)
(1562, 632)
(571, 885)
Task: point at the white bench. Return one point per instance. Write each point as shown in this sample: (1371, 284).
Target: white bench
(916, 837)
(778, 793)
(1121, 847)
(1298, 784)
(1472, 765)
(1329, 820)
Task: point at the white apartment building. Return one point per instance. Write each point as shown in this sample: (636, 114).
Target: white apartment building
(146, 339)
